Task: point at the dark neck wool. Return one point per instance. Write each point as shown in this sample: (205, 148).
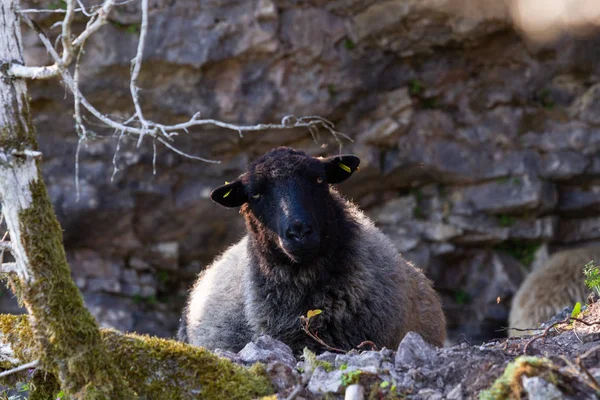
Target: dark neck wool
(271, 266)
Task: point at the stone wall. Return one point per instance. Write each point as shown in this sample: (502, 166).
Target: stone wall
(479, 152)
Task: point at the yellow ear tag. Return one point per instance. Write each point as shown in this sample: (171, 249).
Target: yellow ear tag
(345, 167)
(227, 194)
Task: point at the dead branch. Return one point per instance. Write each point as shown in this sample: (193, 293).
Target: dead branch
(305, 324)
(97, 20)
(564, 321)
(23, 367)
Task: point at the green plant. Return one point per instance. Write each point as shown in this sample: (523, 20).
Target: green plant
(61, 4)
(576, 310)
(351, 377)
(522, 251)
(592, 276)
(133, 29)
(505, 220)
(544, 97)
(415, 87)
(462, 297)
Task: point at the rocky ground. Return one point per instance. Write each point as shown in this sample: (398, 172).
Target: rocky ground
(560, 362)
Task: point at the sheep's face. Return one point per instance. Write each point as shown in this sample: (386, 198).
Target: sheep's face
(286, 195)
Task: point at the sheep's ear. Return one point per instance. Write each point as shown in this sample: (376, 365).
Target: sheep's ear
(339, 168)
(232, 194)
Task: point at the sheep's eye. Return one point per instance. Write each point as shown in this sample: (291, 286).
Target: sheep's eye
(319, 180)
(256, 196)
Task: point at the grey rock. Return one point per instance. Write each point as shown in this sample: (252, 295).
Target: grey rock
(578, 199)
(282, 376)
(579, 229)
(534, 229)
(430, 394)
(539, 389)
(354, 392)
(564, 165)
(327, 356)
(413, 351)
(586, 106)
(266, 349)
(366, 359)
(103, 285)
(515, 194)
(322, 381)
(228, 355)
(456, 393)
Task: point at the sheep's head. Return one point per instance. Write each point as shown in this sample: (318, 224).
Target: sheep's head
(285, 193)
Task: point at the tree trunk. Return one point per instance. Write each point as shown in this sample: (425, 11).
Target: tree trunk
(67, 339)
(73, 354)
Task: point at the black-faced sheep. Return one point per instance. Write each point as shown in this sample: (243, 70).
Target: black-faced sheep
(307, 248)
(557, 284)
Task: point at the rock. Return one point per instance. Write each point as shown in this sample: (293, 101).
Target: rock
(322, 381)
(511, 195)
(533, 229)
(266, 349)
(579, 200)
(282, 376)
(539, 389)
(579, 229)
(229, 355)
(394, 211)
(586, 107)
(456, 393)
(430, 394)
(365, 359)
(354, 392)
(413, 351)
(564, 165)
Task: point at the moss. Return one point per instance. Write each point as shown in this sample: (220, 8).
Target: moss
(45, 386)
(311, 359)
(158, 368)
(66, 334)
(509, 385)
(21, 134)
(522, 251)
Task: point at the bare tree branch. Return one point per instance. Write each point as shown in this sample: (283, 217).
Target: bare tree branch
(135, 71)
(23, 367)
(97, 20)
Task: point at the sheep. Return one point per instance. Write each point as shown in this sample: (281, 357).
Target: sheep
(557, 284)
(307, 248)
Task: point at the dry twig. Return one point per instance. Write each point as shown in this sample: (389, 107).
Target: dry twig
(564, 321)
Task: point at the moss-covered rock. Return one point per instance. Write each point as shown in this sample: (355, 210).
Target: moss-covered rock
(157, 368)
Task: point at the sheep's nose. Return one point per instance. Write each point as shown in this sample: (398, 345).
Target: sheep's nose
(298, 230)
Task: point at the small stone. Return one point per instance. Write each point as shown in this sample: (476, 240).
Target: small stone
(456, 393)
(366, 359)
(322, 381)
(564, 165)
(327, 357)
(266, 349)
(355, 392)
(429, 394)
(540, 389)
(282, 376)
(103, 285)
(129, 276)
(138, 264)
(229, 355)
(413, 351)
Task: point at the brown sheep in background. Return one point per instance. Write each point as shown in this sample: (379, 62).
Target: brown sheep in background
(557, 284)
